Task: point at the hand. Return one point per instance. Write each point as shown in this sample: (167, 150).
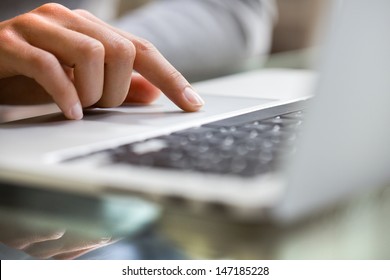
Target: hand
(79, 61)
(48, 243)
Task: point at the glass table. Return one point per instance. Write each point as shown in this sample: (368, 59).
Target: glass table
(44, 224)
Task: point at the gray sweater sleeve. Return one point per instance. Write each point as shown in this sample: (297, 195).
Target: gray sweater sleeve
(205, 38)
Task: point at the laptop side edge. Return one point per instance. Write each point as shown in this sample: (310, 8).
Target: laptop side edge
(344, 147)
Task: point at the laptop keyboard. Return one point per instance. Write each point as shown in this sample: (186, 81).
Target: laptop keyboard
(239, 146)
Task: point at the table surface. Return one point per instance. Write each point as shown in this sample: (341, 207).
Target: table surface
(356, 229)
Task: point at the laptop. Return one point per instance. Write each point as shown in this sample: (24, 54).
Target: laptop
(256, 158)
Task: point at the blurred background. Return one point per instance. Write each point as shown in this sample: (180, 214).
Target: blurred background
(293, 34)
(293, 29)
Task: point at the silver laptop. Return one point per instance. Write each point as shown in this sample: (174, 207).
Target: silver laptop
(256, 158)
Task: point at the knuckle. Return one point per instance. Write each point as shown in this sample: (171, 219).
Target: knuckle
(7, 36)
(51, 8)
(123, 49)
(41, 63)
(144, 45)
(24, 21)
(174, 75)
(83, 13)
(91, 49)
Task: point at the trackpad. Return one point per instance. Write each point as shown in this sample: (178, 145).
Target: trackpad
(52, 133)
(164, 112)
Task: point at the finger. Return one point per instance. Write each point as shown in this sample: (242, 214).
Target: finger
(20, 58)
(67, 244)
(75, 254)
(142, 91)
(82, 53)
(153, 66)
(119, 52)
(21, 238)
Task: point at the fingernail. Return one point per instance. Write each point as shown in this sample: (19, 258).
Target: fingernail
(193, 97)
(76, 112)
(105, 240)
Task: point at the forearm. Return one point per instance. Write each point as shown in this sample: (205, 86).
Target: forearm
(205, 38)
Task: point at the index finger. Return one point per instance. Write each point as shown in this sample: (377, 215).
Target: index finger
(151, 64)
